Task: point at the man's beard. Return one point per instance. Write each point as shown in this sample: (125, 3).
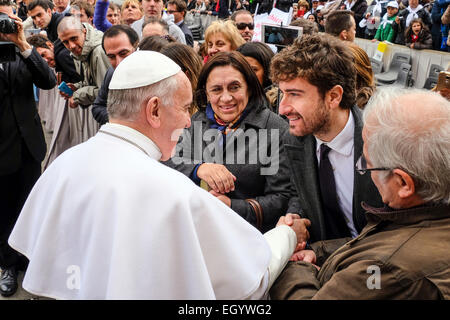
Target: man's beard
(320, 122)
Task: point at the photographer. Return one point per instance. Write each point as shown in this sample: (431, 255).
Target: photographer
(22, 143)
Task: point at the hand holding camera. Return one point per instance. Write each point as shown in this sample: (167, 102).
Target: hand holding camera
(11, 29)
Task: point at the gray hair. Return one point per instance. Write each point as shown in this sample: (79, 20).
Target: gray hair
(126, 104)
(410, 129)
(69, 23)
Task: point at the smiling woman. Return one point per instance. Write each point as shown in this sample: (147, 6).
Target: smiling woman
(234, 143)
(222, 36)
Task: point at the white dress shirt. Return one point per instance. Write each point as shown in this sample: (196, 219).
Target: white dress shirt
(341, 158)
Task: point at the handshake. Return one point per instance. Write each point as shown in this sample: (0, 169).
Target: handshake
(300, 227)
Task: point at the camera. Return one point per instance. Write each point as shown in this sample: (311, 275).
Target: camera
(7, 25)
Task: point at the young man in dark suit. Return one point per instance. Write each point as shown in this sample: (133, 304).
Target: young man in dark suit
(317, 79)
(22, 143)
(178, 9)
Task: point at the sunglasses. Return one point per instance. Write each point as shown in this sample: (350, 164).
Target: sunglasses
(243, 25)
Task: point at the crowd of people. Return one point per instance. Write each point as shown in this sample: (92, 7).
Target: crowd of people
(221, 169)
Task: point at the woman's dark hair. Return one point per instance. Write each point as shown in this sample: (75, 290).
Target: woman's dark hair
(409, 32)
(236, 60)
(189, 62)
(154, 43)
(262, 53)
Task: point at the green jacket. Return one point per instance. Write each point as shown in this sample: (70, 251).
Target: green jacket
(385, 30)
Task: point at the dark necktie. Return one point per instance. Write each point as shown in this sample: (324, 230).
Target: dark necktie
(335, 224)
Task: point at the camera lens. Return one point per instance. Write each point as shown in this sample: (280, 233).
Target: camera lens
(7, 24)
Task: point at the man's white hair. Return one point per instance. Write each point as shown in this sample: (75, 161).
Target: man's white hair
(410, 129)
(126, 104)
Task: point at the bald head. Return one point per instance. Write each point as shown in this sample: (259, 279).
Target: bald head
(72, 34)
(410, 129)
(69, 23)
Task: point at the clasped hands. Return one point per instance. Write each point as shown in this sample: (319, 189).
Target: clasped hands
(219, 179)
(300, 226)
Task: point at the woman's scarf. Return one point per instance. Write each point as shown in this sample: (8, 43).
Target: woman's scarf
(412, 14)
(222, 126)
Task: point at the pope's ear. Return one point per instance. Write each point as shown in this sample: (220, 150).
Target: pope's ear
(153, 112)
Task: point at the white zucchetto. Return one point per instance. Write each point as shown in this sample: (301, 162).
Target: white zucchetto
(143, 68)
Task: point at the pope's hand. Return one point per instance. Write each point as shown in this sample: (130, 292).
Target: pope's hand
(299, 225)
(217, 177)
(302, 223)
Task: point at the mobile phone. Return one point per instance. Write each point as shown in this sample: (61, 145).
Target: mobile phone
(443, 81)
(65, 88)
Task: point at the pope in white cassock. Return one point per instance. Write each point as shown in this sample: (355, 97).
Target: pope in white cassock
(107, 220)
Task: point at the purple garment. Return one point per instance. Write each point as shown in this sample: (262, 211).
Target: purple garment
(100, 21)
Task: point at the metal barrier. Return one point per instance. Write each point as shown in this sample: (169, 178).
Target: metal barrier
(421, 60)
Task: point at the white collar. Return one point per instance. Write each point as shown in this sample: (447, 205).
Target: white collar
(343, 142)
(134, 137)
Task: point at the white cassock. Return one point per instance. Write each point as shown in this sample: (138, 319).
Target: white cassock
(106, 220)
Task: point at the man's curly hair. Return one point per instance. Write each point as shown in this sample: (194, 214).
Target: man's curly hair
(320, 59)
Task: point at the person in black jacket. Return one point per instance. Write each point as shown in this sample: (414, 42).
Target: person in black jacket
(22, 143)
(318, 79)
(404, 18)
(284, 5)
(118, 42)
(359, 8)
(417, 36)
(41, 13)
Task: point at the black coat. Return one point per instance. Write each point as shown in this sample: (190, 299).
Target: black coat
(272, 191)
(187, 34)
(424, 41)
(99, 111)
(301, 152)
(284, 5)
(63, 59)
(19, 120)
(359, 9)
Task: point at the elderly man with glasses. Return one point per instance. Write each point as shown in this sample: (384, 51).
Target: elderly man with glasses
(402, 253)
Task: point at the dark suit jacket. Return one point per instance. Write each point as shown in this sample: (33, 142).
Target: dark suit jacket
(301, 152)
(99, 106)
(19, 120)
(272, 190)
(187, 34)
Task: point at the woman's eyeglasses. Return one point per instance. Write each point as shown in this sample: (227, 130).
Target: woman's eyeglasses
(361, 166)
(243, 25)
